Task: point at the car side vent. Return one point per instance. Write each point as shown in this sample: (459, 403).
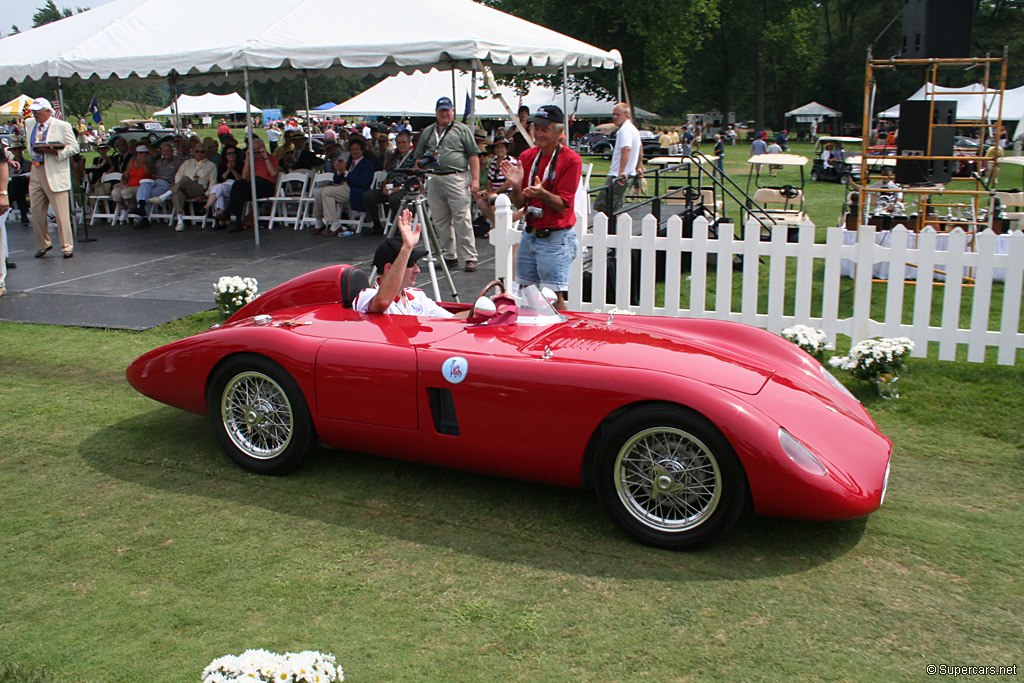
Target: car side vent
(442, 407)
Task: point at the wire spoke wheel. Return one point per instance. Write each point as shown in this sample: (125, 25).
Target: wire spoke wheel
(257, 415)
(668, 476)
(668, 479)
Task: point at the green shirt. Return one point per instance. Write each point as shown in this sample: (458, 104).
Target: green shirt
(456, 147)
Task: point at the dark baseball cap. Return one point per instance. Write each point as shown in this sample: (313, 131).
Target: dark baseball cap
(547, 114)
(444, 103)
(388, 251)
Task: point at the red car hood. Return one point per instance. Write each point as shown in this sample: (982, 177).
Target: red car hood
(687, 348)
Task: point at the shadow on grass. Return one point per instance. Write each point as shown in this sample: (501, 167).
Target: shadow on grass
(500, 519)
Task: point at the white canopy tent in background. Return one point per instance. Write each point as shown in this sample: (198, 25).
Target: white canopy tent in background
(15, 106)
(971, 105)
(416, 94)
(134, 39)
(815, 111)
(192, 105)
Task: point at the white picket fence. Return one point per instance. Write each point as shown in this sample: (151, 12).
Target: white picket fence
(978, 262)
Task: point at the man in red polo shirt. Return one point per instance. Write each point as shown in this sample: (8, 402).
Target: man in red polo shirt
(549, 244)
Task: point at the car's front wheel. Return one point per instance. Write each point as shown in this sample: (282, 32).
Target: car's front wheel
(259, 415)
(815, 175)
(669, 477)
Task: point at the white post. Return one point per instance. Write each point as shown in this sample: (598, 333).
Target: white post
(504, 238)
(252, 160)
(472, 101)
(309, 119)
(565, 100)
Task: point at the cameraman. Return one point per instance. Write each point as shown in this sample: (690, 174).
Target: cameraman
(448, 148)
(548, 245)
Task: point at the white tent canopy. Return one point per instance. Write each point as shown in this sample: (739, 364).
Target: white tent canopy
(971, 104)
(192, 105)
(144, 38)
(416, 95)
(814, 110)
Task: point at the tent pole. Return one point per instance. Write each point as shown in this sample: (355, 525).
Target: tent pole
(625, 91)
(454, 96)
(309, 119)
(565, 98)
(472, 101)
(172, 81)
(252, 160)
(492, 85)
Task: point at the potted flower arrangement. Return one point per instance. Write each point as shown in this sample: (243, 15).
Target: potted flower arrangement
(810, 339)
(260, 665)
(879, 361)
(233, 292)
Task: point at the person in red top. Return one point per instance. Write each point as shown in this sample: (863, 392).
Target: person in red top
(266, 168)
(544, 182)
(223, 128)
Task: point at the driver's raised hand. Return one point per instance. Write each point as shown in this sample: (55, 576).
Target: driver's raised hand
(410, 233)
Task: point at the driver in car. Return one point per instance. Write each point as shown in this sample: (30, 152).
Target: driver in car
(394, 292)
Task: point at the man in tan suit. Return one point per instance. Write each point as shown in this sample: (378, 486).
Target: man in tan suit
(51, 142)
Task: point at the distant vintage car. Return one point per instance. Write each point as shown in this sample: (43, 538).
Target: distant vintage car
(135, 131)
(604, 145)
(677, 424)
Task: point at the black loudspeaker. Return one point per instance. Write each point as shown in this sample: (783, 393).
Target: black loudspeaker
(936, 28)
(913, 141)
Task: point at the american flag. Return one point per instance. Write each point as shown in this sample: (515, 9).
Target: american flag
(56, 107)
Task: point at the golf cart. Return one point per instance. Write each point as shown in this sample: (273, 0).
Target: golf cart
(835, 171)
(776, 205)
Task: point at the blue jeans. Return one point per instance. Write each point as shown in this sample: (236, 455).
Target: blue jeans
(547, 261)
(147, 190)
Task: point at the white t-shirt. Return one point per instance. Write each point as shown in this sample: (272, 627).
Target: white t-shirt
(628, 136)
(411, 301)
(273, 134)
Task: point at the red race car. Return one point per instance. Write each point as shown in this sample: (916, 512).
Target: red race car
(675, 423)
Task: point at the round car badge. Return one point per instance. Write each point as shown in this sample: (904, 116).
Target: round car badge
(455, 369)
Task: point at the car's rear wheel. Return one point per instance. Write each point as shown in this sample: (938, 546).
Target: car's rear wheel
(844, 179)
(259, 415)
(669, 477)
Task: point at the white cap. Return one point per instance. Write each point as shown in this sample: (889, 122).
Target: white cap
(141, 148)
(40, 103)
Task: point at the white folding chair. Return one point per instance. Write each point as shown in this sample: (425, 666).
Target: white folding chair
(103, 205)
(382, 214)
(291, 189)
(307, 217)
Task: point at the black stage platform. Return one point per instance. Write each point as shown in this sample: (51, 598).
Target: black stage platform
(132, 278)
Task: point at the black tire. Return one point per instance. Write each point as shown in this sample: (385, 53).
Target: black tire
(685, 489)
(152, 138)
(844, 179)
(259, 415)
(815, 175)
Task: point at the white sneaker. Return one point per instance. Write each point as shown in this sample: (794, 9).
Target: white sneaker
(3, 292)
(180, 227)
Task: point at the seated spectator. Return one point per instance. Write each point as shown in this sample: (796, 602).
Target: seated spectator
(121, 156)
(211, 150)
(351, 180)
(266, 182)
(19, 167)
(229, 170)
(193, 180)
(164, 170)
(139, 168)
(496, 181)
(826, 156)
(332, 152)
(393, 190)
(304, 157)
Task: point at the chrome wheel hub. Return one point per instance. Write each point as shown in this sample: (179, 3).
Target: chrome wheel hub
(668, 479)
(257, 415)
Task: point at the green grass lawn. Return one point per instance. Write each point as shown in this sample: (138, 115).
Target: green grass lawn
(134, 549)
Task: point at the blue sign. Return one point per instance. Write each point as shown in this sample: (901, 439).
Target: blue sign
(271, 115)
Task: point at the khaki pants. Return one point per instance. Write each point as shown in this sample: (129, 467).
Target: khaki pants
(124, 196)
(451, 214)
(42, 197)
(329, 200)
(185, 190)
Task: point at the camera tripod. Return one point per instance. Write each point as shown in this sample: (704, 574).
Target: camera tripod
(416, 201)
